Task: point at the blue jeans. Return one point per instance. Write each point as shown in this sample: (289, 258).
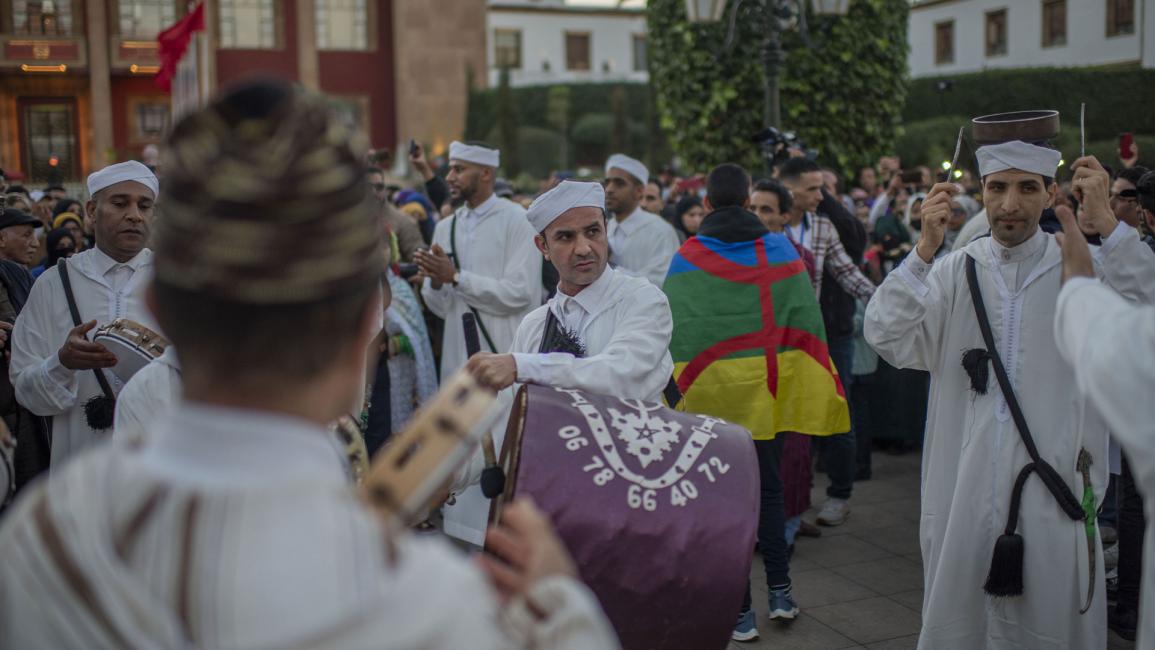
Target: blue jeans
(771, 517)
(840, 450)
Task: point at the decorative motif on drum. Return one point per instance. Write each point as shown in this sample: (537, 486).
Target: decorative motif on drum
(647, 438)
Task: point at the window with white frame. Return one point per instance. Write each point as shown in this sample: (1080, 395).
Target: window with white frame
(144, 19)
(342, 24)
(248, 24)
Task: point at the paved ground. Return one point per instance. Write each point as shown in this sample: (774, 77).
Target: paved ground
(860, 584)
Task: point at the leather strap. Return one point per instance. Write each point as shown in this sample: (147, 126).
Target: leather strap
(1055, 484)
(66, 282)
(457, 265)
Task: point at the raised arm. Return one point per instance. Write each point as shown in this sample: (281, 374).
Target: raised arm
(906, 319)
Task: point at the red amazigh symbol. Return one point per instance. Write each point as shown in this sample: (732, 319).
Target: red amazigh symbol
(770, 337)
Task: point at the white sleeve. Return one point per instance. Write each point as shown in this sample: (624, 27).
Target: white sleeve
(438, 300)
(1127, 265)
(878, 209)
(1109, 344)
(561, 614)
(662, 244)
(906, 318)
(626, 367)
(519, 286)
(42, 384)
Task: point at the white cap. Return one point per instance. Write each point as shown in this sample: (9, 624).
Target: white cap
(630, 166)
(120, 172)
(566, 196)
(1018, 155)
(475, 154)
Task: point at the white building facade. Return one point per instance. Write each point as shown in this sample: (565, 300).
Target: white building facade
(959, 36)
(552, 42)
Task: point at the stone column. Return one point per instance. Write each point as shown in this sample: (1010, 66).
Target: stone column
(99, 86)
(308, 67)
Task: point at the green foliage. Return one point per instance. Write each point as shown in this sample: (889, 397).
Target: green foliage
(537, 149)
(507, 135)
(929, 142)
(534, 109)
(1118, 98)
(843, 97)
(593, 136)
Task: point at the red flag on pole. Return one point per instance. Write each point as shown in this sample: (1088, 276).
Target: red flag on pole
(173, 43)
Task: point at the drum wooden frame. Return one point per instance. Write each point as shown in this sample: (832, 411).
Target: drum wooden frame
(134, 345)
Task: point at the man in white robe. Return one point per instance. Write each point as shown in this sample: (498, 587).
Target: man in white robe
(234, 526)
(923, 317)
(1110, 345)
(621, 323)
(147, 398)
(53, 361)
(498, 271)
(641, 243)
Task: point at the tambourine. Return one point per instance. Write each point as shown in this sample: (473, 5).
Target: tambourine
(352, 440)
(134, 345)
(409, 474)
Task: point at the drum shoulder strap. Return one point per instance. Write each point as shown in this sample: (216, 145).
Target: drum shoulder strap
(74, 310)
(1054, 483)
(457, 265)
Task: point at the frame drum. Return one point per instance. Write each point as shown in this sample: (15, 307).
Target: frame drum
(658, 508)
(134, 345)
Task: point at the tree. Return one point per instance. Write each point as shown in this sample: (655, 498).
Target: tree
(506, 118)
(558, 107)
(844, 97)
(621, 133)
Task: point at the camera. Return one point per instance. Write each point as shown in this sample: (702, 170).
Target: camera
(776, 145)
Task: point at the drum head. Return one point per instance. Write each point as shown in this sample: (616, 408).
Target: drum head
(130, 358)
(659, 508)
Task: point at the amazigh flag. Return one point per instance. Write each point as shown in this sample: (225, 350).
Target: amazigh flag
(749, 345)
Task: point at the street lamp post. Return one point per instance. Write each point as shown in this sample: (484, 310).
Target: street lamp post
(778, 16)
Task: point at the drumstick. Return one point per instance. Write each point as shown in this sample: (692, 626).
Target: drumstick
(492, 477)
(954, 160)
(1082, 130)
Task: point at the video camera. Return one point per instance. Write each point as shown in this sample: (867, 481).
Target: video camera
(776, 145)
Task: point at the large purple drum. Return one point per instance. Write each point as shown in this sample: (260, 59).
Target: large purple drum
(659, 508)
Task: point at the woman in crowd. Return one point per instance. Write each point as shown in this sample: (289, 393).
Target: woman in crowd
(688, 215)
(61, 243)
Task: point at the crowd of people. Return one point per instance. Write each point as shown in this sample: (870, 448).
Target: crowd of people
(900, 311)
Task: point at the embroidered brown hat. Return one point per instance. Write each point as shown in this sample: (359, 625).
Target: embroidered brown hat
(264, 201)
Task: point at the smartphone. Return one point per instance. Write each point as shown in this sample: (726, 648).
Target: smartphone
(412, 147)
(1125, 142)
(913, 177)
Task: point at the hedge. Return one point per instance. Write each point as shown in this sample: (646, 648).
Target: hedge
(585, 101)
(843, 97)
(1118, 98)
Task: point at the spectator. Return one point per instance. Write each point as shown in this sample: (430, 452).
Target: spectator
(652, 200)
(18, 245)
(688, 215)
(1125, 196)
(817, 233)
(61, 244)
(409, 237)
(75, 227)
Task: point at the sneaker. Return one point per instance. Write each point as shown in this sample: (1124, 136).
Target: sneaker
(834, 513)
(808, 529)
(1111, 556)
(745, 630)
(782, 605)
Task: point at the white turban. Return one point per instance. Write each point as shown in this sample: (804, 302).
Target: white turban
(120, 172)
(630, 166)
(566, 196)
(475, 154)
(1018, 155)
